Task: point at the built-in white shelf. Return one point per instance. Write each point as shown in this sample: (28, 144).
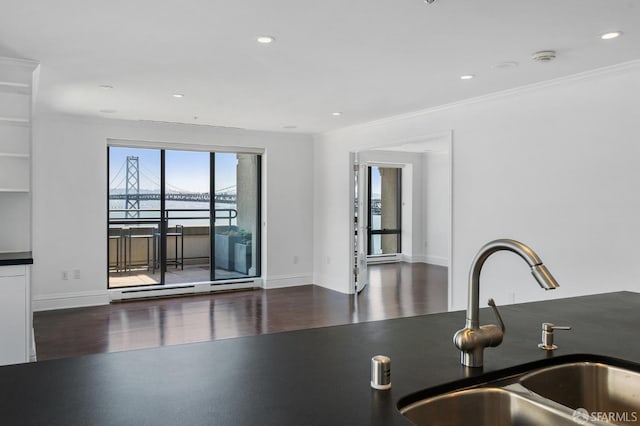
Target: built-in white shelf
(15, 121)
(15, 190)
(14, 172)
(16, 97)
(12, 155)
(14, 140)
(14, 87)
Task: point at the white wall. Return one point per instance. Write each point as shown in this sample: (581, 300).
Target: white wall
(70, 201)
(554, 165)
(437, 214)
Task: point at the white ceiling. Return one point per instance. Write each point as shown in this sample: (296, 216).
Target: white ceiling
(368, 59)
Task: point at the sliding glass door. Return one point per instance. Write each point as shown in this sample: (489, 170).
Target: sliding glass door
(134, 216)
(237, 215)
(186, 211)
(162, 210)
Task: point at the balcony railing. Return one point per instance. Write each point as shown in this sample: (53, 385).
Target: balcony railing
(133, 242)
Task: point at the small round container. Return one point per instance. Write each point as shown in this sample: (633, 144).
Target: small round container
(381, 372)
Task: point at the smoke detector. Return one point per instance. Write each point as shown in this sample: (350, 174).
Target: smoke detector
(544, 56)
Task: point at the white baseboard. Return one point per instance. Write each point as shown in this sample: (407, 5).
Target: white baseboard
(97, 298)
(425, 258)
(69, 300)
(384, 258)
(281, 281)
(182, 289)
(437, 260)
(419, 258)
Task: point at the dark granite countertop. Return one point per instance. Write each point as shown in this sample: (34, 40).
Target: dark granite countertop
(309, 377)
(16, 258)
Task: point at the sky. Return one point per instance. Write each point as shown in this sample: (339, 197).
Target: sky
(376, 182)
(185, 170)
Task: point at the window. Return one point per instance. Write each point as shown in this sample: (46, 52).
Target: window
(384, 210)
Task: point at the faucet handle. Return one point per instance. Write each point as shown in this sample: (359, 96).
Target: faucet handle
(547, 335)
(492, 303)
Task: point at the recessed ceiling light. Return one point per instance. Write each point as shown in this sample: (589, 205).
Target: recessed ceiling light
(336, 114)
(108, 111)
(611, 35)
(178, 95)
(467, 76)
(265, 39)
(106, 87)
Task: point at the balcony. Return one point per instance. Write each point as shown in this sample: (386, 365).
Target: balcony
(134, 254)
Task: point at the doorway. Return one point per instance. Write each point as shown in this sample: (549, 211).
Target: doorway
(424, 211)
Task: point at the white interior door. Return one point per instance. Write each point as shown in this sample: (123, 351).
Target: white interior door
(360, 223)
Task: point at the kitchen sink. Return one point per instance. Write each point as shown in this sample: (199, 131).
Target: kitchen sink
(485, 406)
(570, 390)
(596, 387)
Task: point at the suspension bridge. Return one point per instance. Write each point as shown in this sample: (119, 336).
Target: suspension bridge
(221, 198)
(126, 185)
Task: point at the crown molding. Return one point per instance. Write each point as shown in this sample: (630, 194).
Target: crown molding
(16, 62)
(502, 94)
(47, 113)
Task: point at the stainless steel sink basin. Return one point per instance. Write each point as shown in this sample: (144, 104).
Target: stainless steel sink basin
(595, 387)
(574, 390)
(484, 406)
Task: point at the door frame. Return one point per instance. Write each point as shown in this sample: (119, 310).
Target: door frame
(222, 284)
(359, 276)
(443, 139)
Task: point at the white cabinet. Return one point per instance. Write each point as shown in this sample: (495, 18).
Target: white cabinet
(15, 314)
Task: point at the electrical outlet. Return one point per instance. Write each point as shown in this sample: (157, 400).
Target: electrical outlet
(295, 260)
(76, 274)
(65, 275)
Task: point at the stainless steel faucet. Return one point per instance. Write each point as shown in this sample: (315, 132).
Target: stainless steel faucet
(472, 339)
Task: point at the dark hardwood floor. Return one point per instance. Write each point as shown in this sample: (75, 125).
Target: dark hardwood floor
(395, 290)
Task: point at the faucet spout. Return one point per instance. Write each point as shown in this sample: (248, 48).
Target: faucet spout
(544, 277)
(470, 340)
(539, 271)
